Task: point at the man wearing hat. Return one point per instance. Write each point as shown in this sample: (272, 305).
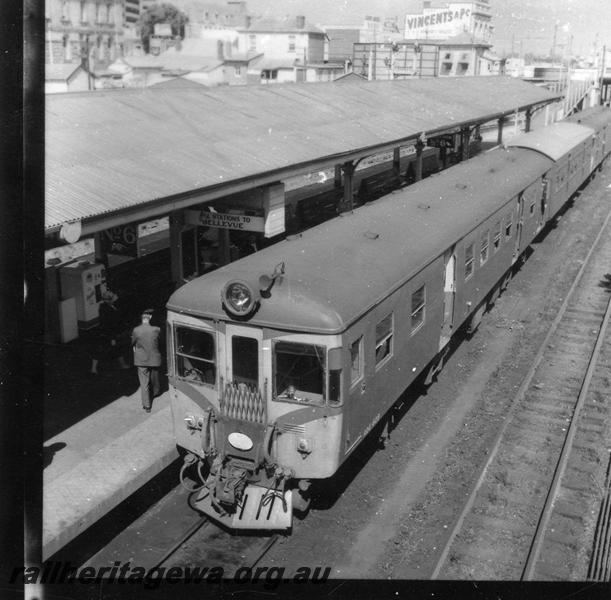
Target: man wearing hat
(147, 357)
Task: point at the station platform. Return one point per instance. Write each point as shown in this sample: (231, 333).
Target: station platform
(100, 461)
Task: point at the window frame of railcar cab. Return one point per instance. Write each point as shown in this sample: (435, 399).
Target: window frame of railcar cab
(179, 354)
(419, 309)
(386, 339)
(311, 398)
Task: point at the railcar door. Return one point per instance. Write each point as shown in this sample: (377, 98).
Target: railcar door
(243, 363)
(449, 289)
(519, 223)
(544, 194)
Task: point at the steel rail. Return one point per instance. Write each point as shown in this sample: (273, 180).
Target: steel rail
(185, 537)
(600, 560)
(567, 446)
(515, 404)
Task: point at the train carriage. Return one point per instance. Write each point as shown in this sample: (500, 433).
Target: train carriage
(282, 362)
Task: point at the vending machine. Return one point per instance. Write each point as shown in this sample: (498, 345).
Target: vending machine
(84, 281)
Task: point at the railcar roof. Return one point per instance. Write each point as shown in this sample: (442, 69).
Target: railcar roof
(595, 117)
(555, 140)
(338, 270)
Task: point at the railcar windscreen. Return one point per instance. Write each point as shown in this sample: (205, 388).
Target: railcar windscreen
(195, 355)
(299, 372)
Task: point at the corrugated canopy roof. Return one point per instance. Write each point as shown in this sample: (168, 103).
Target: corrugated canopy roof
(110, 150)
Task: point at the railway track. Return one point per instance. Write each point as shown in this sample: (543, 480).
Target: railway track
(206, 544)
(539, 509)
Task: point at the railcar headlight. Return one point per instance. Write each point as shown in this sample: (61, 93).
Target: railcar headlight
(239, 298)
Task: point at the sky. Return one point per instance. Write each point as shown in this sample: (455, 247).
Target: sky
(529, 24)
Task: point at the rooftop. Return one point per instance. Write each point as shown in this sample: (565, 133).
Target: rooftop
(286, 25)
(112, 150)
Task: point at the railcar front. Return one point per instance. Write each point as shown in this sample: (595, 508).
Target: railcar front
(255, 394)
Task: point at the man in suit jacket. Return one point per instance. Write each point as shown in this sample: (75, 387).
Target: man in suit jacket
(147, 358)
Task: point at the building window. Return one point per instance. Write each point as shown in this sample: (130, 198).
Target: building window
(67, 48)
(291, 43)
(269, 74)
(111, 15)
(83, 12)
(418, 303)
(252, 42)
(65, 11)
(446, 68)
(483, 255)
(468, 261)
(237, 70)
(356, 360)
(497, 236)
(384, 339)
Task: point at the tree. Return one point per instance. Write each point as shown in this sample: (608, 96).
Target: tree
(160, 13)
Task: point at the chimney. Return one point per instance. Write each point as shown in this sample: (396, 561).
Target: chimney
(300, 21)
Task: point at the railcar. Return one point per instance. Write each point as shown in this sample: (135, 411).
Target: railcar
(281, 363)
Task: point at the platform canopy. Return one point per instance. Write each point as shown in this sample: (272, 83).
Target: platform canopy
(132, 152)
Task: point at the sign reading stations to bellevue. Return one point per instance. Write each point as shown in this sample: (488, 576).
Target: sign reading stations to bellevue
(224, 220)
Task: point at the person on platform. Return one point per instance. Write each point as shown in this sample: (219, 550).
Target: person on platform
(147, 358)
(107, 346)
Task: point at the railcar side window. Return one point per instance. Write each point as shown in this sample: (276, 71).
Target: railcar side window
(496, 242)
(508, 226)
(356, 360)
(418, 304)
(468, 261)
(483, 255)
(299, 372)
(384, 331)
(195, 355)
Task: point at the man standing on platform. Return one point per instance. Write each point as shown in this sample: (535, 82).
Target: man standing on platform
(147, 358)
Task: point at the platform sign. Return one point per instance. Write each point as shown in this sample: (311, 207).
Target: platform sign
(84, 250)
(238, 222)
(120, 240)
(153, 236)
